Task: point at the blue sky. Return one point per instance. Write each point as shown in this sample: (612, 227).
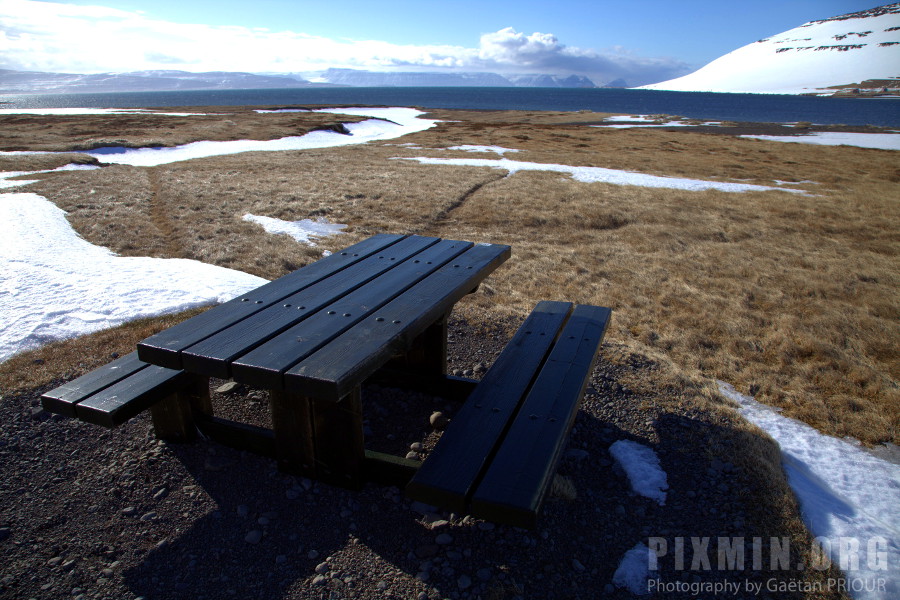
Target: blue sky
(639, 40)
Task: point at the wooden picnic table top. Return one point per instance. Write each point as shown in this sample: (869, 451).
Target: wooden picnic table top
(321, 330)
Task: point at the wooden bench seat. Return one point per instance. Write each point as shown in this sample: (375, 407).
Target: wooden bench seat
(497, 458)
(118, 391)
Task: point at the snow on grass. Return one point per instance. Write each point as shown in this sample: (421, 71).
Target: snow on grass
(303, 230)
(641, 465)
(388, 123)
(55, 285)
(474, 148)
(598, 174)
(881, 141)
(849, 499)
(633, 570)
(5, 176)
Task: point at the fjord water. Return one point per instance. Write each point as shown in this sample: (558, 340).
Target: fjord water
(698, 105)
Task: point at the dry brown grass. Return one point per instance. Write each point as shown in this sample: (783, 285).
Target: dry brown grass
(791, 298)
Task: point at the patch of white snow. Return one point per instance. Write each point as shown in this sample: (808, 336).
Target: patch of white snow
(598, 174)
(55, 285)
(849, 499)
(634, 571)
(881, 141)
(303, 230)
(641, 465)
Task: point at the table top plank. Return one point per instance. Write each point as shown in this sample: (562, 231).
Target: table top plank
(213, 356)
(265, 365)
(346, 361)
(164, 348)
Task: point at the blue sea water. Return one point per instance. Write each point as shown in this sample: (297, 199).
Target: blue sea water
(732, 107)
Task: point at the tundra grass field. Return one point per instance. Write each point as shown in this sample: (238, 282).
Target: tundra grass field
(793, 298)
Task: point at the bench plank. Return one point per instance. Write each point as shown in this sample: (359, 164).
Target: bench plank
(514, 485)
(63, 399)
(165, 347)
(213, 355)
(351, 357)
(119, 402)
(449, 475)
(265, 365)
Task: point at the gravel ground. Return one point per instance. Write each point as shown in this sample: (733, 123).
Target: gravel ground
(91, 513)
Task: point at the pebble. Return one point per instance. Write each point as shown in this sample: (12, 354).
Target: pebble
(281, 559)
(320, 580)
(576, 564)
(322, 568)
(416, 446)
(464, 581)
(243, 510)
(254, 536)
(150, 516)
(438, 420)
(443, 539)
(228, 387)
(412, 455)
(312, 555)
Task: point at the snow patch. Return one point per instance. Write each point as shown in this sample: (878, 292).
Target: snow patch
(303, 230)
(641, 464)
(848, 498)
(598, 174)
(388, 123)
(634, 570)
(473, 148)
(881, 141)
(55, 285)
(5, 176)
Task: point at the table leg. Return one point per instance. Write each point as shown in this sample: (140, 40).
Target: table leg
(428, 353)
(340, 450)
(293, 428)
(173, 417)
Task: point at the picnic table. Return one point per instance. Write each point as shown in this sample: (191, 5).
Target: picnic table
(312, 337)
(377, 310)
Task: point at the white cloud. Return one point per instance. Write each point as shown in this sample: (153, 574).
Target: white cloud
(44, 36)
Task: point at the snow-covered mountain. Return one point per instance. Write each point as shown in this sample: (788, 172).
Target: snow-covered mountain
(356, 77)
(34, 82)
(852, 51)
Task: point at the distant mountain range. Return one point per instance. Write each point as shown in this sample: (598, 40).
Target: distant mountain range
(35, 82)
(856, 53)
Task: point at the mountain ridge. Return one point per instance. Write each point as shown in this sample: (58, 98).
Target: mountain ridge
(837, 55)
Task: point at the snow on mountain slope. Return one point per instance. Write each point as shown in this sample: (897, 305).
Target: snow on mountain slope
(841, 51)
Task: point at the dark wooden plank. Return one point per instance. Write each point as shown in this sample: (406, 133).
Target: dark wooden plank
(446, 386)
(293, 429)
(164, 348)
(119, 402)
(174, 416)
(340, 451)
(264, 366)
(387, 469)
(240, 436)
(428, 353)
(517, 479)
(63, 399)
(450, 473)
(213, 355)
(347, 360)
